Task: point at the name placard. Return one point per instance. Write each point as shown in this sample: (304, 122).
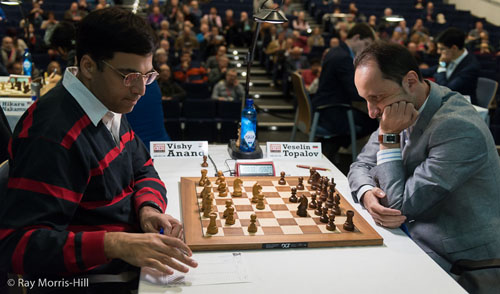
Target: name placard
(15, 106)
(160, 149)
(294, 150)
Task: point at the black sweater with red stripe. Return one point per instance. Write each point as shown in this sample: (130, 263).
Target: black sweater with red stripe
(69, 183)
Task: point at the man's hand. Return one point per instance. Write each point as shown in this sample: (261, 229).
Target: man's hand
(149, 249)
(397, 117)
(152, 221)
(383, 216)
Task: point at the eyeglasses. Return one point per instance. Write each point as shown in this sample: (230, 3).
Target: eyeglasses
(129, 79)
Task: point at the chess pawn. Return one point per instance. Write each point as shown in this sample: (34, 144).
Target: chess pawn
(206, 190)
(312, 171)
(324, 215)
(293, 198)
(349, 224)
(313, 203)
(229, 203)
(204, 164)
(230, 216)
(212, 226)
(282, 180)
(300, 185)
(260, 202)
(319, 209)
(252, 228)
(331, 223)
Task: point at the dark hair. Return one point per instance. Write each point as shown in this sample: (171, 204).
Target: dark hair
(63, 36)
(394, 60)
(363, 30)
(452, 36)
(106, 31)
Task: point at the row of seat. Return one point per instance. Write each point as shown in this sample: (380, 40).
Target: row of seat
(202, 119)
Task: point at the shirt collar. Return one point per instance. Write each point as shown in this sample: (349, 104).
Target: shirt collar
(460, 58)
(92, 106)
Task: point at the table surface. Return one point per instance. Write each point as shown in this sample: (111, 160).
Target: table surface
(398, 266)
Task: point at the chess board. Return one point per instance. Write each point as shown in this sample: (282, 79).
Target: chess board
(278, 225)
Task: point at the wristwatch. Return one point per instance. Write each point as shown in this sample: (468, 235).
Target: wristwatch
(388, 138)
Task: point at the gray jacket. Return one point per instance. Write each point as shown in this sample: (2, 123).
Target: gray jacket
(447, 184)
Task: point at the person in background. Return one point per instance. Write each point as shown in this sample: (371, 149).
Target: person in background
(169, 88)
(229, 89)
(457, 69)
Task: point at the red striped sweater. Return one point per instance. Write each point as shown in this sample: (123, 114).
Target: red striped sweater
(68, 184)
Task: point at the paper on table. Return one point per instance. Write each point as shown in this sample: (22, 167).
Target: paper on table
(221, 268)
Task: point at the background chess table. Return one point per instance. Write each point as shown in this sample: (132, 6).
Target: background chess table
(278, 225)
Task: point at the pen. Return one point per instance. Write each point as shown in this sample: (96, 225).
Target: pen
(161, 231)
(315, 167)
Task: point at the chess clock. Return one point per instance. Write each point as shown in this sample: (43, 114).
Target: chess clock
(254, 168)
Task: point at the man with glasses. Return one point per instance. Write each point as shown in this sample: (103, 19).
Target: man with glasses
(83, 197)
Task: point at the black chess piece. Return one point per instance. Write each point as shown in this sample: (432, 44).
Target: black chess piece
(300, 185)
(349, 224)
(282, 180)
(319, 209)
(336, 206)
(324, 215)
(313, 203)
(302, 208)
(312, 171)
(329, 200)
(293, 198)
(331, 222)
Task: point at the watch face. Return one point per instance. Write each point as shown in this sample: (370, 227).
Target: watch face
(390, 138)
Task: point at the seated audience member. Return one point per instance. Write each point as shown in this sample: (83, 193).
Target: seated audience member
(189, 71)
(213, 19)
(316, 39)
(229, 89)
(218, 73)
(169, 88)
(15, 68)
(83, 197)
(74, 14)
(440, 174)
(49, 25)
(296, 61)
(300, 24)
(186, 39)
(213, 61)
(336, 85)
(311, 74)
(160, 58)
(9, 52)
(146, 119)
(155, 18)
(457, 69)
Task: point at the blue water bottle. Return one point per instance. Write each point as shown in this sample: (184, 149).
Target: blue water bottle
(27, 63)
(248, 127)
